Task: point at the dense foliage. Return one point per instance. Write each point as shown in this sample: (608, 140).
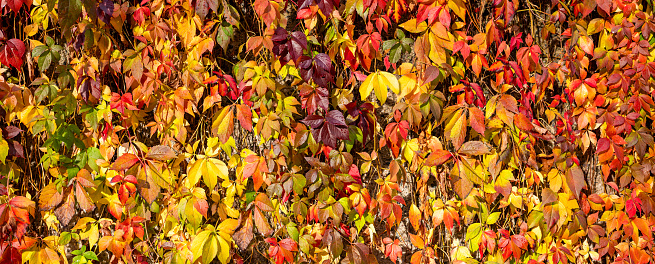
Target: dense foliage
(327, 131)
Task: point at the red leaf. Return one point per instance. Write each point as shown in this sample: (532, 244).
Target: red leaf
(392, 249)
(13, 51)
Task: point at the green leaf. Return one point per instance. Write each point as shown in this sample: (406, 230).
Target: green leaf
(473, 234)
(46, 90)
(38, 50)
(224, 35)
(44, 61)
(493, 218)
(395, 54)
(70, 11)
(90, 255)
(299, 182)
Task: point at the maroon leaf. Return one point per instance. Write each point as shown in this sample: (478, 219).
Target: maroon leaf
(12, 52)
(329, 128)
(89, 86)
(106, 10)
(11, 131)
(365, 118)
(288, 46)
(318, 69)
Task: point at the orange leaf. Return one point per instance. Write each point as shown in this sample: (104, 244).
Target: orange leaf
(125, 162)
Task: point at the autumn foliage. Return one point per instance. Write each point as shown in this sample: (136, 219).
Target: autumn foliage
(327, 131)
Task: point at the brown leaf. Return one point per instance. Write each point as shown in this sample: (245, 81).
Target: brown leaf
(161, 152)
(262, 223)
(522, 122)
(548, 196)
(147, 187)
(575, 180)
(244, 235)
(66, 211)
(474, 148)
(85, 179)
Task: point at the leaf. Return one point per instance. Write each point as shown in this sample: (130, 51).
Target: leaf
(205, 246)
(70, 11)
(329, 128)
(438, 157)
(223, 124)
(522, 122)
(124, 162)
(462, 186)
(15, 5)
(417, 241)
(314, 98)
(319, 69)
(477, 120)
(326, 6)
(244, 235)
(474, 148)
(161, 152)
(4, 150)
(49, 197)
(586, 43)
(83, 198)
(575, 180)
(548, 196)
(392, 249)
(11, 54)
(379, 81)
(415, 216)
(66, 210)
(202, 7)
(289, 47)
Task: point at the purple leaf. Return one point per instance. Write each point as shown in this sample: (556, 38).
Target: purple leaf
(288, 46)
(318, 69)
(327, 130)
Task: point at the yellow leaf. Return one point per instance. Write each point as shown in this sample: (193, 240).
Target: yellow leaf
(458, 7)
(195, 172)
(224, 254)
(411, 26)
(379, 81)
(228, 226)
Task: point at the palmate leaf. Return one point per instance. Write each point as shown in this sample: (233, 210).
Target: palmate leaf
(11, 54)
(326, 6)
(319, 69)
(314, 98)
(329, 128)
(288, 46)
(202, 7)
(379, 81)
